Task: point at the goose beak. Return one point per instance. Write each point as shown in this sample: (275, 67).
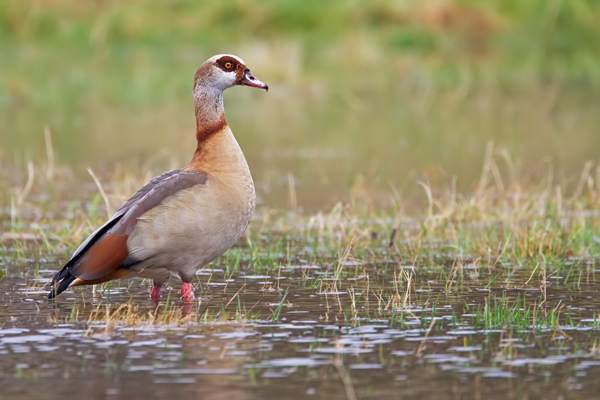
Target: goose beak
(249, 80)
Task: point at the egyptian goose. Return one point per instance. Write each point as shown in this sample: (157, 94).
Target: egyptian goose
(185, 218)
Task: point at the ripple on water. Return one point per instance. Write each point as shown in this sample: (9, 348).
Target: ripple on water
(197, 371)
(342, 350)
(291, 362)
(26, 339)
(365, 366)
(225, 354)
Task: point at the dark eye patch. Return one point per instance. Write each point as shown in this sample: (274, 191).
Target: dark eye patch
(227, 63)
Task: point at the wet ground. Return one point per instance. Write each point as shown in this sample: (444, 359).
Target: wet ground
(322, 330)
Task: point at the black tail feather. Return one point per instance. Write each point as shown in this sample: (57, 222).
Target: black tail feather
(59, 287)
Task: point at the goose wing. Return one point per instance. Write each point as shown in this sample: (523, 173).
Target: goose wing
(105, 250)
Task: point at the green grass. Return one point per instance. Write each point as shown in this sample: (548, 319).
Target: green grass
(500, 223)
(564, 33)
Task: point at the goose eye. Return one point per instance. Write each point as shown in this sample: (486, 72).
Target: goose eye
(228, 65)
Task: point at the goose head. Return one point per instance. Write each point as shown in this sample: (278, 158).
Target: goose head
(224, 71)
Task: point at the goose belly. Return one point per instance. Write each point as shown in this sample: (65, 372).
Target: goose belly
(191, 228)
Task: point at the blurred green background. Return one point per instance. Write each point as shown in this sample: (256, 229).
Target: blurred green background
(367, 93)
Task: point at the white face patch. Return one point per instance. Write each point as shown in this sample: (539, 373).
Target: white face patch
(223, 80)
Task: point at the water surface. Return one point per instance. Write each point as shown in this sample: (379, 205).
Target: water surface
(235, 344)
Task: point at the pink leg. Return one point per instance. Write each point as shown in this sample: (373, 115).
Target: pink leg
(186, 291)
(155, 294)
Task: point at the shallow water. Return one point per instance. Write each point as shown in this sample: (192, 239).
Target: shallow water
(233, 345)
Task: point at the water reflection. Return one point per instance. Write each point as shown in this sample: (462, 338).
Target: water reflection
(228, 344)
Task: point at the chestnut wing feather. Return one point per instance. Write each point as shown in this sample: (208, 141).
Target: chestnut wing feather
(132, 201)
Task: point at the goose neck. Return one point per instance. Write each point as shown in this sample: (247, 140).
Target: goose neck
(210, 113)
